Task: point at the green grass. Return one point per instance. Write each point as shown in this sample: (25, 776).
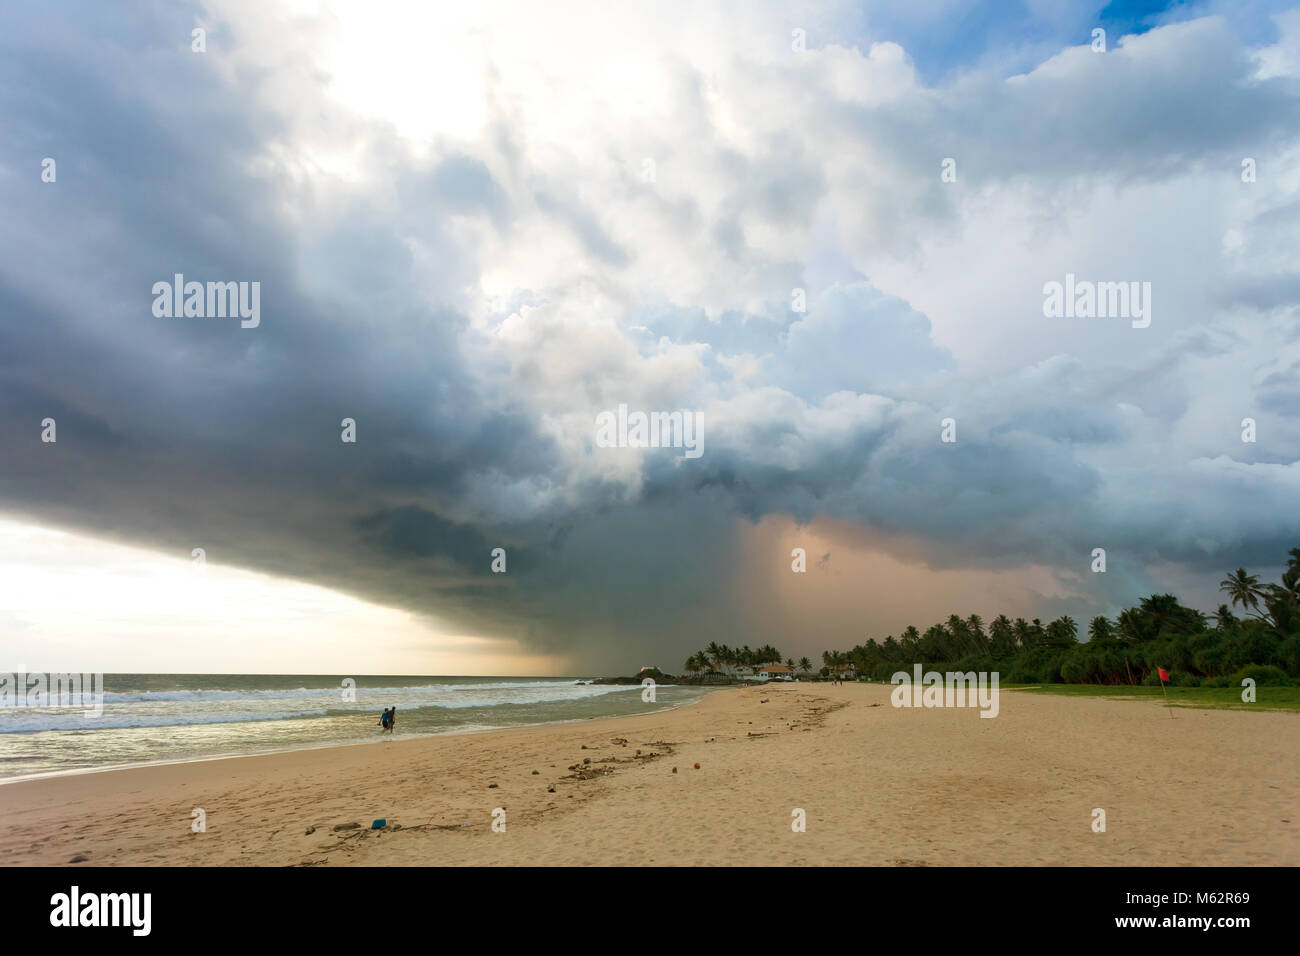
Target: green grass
(1208, 698)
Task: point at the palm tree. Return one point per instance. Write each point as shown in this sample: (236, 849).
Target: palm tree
(1244, 589)
(1291, 576)
(805, 665)
(935, 643)
(957, 628)
(893, 650)
(1131, 625)
(697, 662)
(1002, 635)
(1168, 616)
(1283, 601)
(906, 648)
(1100, 629)
(1062, 632)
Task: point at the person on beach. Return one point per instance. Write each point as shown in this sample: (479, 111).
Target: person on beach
(383, 720)
(392, 718)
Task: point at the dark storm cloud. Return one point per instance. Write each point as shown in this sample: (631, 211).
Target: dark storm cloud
(192, 430)
(181, 433)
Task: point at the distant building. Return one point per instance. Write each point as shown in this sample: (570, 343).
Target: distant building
(776, 672)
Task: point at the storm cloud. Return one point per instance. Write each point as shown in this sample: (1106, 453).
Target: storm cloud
(473, 302)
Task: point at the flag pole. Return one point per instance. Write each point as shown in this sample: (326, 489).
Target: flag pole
(1163, 691)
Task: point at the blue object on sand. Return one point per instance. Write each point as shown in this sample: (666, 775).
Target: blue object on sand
(379, 824)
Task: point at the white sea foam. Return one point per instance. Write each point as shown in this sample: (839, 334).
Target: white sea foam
(148, 718)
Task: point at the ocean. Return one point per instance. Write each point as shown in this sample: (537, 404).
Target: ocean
(150, 718)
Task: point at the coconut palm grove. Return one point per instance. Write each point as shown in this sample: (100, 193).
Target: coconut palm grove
(1255, 634)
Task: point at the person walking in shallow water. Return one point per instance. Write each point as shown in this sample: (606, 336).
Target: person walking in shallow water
(384, 720)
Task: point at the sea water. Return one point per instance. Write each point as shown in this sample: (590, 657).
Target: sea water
(149, 718)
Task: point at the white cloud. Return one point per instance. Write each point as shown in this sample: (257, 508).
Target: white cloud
(470, 187)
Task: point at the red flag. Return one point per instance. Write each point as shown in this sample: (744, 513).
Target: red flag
(1164, 674)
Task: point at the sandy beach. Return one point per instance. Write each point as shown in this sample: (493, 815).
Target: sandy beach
(879, 786)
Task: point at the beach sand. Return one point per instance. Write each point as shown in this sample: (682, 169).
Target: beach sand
(880, 786)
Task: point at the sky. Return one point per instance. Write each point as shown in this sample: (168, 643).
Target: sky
(824, 229)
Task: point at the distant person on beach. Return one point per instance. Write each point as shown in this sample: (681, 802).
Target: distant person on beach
(392, 718)
(383, 719)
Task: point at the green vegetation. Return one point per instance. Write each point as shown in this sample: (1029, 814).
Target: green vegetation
(1198, 650)
(1206, 698)
(717, 657)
